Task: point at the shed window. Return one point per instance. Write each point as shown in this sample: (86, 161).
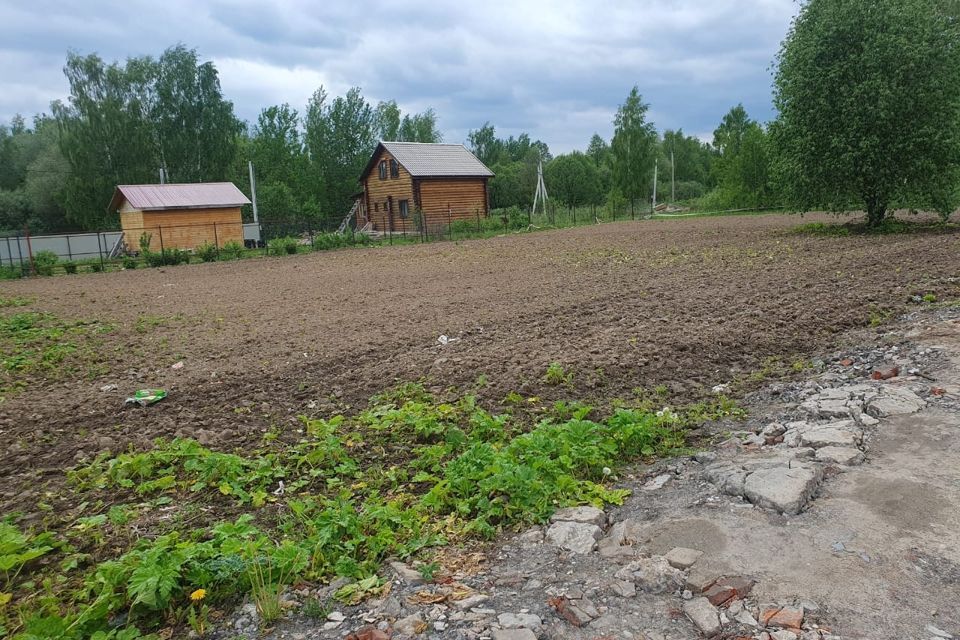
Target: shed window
(394, 169)
(383, 169)
(404, 208)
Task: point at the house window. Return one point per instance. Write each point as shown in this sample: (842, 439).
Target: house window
(383, 169)
(394, 169)
(404, 208)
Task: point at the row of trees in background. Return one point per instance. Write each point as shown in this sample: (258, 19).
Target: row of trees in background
(123, 123)
(874, 127)
(734, 171)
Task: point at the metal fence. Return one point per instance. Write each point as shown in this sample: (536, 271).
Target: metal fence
(130, 248)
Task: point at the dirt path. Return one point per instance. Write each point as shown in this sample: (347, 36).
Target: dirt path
(874, 551)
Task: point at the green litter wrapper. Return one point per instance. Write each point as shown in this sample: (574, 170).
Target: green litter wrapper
(145, 397)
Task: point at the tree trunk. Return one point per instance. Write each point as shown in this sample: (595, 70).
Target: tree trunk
(876, 212)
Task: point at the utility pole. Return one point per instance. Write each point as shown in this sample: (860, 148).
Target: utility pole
(541, 193)
(253, 191)
(163, 176)
(673, 179)
(656, 167)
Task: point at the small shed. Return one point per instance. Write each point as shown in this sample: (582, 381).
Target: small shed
(409, 185)
(179, 216)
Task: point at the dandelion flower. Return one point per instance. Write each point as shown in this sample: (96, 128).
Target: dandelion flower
(198, 595)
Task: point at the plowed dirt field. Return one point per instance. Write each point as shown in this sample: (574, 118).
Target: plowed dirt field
(687, 304)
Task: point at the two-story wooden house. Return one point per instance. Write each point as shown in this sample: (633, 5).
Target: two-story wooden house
(409, 185)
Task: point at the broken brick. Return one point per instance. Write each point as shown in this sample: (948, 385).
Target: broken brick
(368, 633)
(741, 585)
(846, 362)
(787, 617)
(938, 391)
(719, 594)
(885, 374)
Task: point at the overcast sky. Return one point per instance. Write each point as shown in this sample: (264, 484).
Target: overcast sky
(556, 69)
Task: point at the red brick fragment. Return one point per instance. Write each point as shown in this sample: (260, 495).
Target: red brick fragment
(742, 586)
(786, 617)
(719, 594)
(938, 391)
(885, 374)
(846, 362)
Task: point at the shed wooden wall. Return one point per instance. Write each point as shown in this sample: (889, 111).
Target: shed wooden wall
(377, 192)
(444, 200)
(182, 228)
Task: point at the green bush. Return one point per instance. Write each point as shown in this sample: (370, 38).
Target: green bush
(44, 262)
(285, 245)
(326, 241)
(11, 273)
(512, 217)
(70, 267)
(207, 252)
(167, 257)
(232, 250)
(153, 259)
(95, 265)
(129, 262)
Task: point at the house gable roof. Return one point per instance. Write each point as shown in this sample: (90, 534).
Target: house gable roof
(432, 160)
(157, 197)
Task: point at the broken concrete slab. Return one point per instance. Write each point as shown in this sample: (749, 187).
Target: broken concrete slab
(657, 482)
(847, 456)
(704, 616)
(519, 620)
(588, 515)
(407, 573)
(699, 579)
(652, 575)
(575, 537)
(895, 401)
(727, 476)
(682, 558)
(783, 489)
(624, 588)
(622, 539)
(837, 434)
(514, 634)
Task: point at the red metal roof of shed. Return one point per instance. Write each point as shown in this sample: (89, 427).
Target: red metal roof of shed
(157, 197)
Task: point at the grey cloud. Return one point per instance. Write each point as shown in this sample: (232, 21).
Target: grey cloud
(556, 69)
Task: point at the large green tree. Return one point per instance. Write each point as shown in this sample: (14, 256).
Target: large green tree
(32, 174)
(574, 179)
(284, 186)
(633, 149)
(868, 95)
(340, 136)
(692, 160)
(123, 123)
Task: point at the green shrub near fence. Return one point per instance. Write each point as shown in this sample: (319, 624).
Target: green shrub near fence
(70, 267)
(167, 257)
(232, 250)
(207, 252)
(286, 245)
(45, 261)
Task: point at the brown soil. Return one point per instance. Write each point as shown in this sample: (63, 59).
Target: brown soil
(684, 303)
